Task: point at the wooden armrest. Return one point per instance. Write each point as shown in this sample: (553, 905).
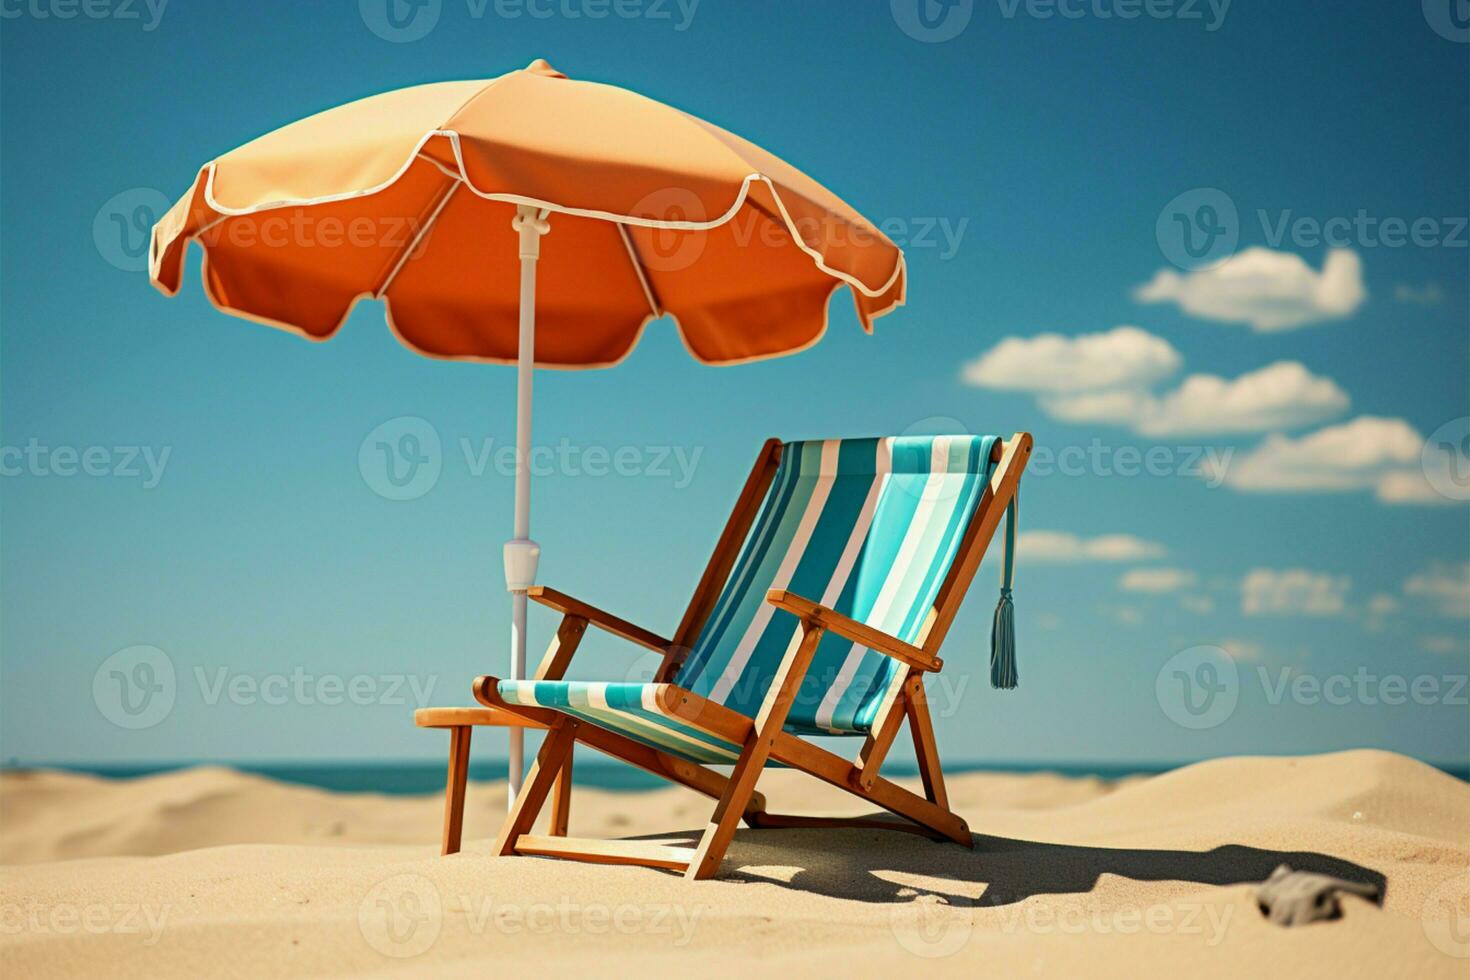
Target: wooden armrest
(568, 606)
(859, 633)
(467, 717)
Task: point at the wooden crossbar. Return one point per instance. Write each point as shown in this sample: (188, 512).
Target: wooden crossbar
(644, 853)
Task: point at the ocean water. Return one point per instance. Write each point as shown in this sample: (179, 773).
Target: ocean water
(419, 777)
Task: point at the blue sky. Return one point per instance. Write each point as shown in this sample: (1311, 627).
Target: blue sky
(1032, 164)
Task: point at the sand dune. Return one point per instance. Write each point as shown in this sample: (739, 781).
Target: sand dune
(207, 869)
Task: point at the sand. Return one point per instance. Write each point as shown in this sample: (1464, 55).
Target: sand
(210, 870)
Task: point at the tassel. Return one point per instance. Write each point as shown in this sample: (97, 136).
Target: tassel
(1003, 627)
(1003, 644)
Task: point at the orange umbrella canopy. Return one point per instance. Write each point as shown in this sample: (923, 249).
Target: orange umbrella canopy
(409, 196)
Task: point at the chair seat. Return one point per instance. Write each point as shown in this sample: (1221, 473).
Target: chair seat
(630, 709)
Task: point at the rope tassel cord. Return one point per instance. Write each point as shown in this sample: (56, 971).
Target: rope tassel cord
(1003, 626)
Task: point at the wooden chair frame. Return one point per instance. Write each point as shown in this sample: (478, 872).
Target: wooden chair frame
(762, 738)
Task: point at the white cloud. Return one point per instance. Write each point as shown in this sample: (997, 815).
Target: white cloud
(1447, 585)
(1427, 295)
(1439, 644)
(1269, 290)
(1060, 546)
(1367, 453)
(1156, 580)
(1123, 615)
(1197, 604)
(1279, 396)
(1378, 608)
(1412, 486)
(1050, 362)
(1128, 616)
(1382, 604)
(1293, 592)
(1242, 649)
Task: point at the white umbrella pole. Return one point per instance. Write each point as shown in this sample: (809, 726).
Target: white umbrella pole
(521, 553)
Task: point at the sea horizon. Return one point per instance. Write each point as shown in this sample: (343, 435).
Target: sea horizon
(412, 777)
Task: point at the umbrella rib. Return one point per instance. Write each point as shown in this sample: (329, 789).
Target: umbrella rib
(419, 237)
(653, 303)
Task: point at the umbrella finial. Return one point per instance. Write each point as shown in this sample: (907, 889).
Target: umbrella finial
(542, 67)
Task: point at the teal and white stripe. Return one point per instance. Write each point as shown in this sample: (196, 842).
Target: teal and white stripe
(628, 708)
(869, 527)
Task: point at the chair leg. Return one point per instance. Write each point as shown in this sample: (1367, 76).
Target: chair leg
(459, 765)
(733, 802)
(916, 705)
(561, 798)
(728, 812)
(554, 752)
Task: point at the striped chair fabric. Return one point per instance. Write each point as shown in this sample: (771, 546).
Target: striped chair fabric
(868, 527)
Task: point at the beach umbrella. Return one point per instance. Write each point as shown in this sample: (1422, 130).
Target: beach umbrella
(435, 199)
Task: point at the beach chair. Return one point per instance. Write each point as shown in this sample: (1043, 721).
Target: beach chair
(827, 598)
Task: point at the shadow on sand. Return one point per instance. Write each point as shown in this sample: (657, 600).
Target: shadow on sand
(881, 866)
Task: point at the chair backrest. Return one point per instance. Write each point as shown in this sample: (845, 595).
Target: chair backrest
(869, 527)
